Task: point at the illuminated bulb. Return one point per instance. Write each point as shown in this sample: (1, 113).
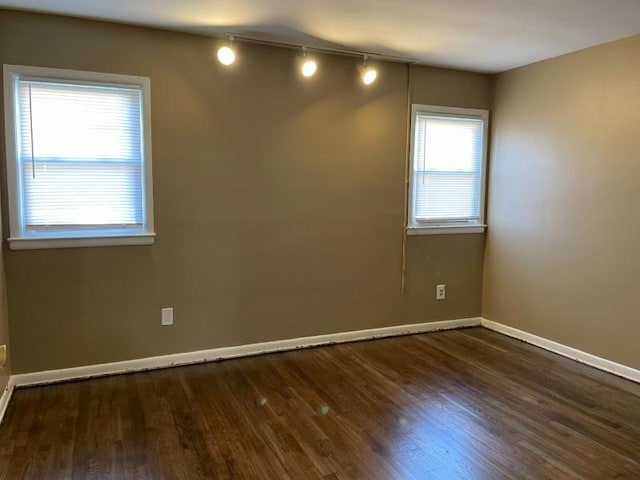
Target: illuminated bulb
(309, 68)
(369, 75)
(226, 55)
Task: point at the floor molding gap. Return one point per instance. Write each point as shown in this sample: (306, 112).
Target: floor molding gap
(6, 397)
(603, 364)
(224, 353)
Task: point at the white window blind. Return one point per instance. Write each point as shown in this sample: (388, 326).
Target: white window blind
(80, 163)
(448, 164)
(80, 155)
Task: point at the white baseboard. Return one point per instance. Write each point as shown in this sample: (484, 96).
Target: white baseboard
(201, 356)
(5, 397)
(569, 352)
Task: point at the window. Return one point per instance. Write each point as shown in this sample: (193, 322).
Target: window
(448, 161)
(78, 158)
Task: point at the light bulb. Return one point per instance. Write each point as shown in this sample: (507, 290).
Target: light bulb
(309, 67)
(369, 75)
(226, 55)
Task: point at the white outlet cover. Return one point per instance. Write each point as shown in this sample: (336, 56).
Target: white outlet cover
(441, 292)
(167, 316)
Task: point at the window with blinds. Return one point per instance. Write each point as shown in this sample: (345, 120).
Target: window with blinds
(447, 167)
(81, 163)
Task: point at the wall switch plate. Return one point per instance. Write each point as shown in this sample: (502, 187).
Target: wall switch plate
(441, 292)
(167, 316)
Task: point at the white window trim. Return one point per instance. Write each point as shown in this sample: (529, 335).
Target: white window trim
(440, 228)
(17, 240)
(445, 229)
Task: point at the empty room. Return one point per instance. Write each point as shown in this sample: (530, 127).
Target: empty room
(334, 240)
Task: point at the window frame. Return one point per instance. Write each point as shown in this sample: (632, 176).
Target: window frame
(110, 237)
(443, 227)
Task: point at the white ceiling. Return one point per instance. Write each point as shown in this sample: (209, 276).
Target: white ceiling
(480, 35)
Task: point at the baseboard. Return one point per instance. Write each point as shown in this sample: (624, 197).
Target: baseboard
(201, 356)
(569, 352)
(5, 397)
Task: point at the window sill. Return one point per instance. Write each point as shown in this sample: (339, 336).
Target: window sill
(76, 242)
(445, 229)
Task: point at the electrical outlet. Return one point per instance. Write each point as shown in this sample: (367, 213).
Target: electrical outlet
(441, 292)
(167, 316)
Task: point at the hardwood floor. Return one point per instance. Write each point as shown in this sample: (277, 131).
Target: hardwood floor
(463, 404)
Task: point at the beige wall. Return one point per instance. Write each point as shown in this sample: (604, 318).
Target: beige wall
(292, 230)
(562, 250)
(5, 372)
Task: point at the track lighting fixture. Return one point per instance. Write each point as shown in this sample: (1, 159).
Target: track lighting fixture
(367, 74)
(309, 66)
(226, 55)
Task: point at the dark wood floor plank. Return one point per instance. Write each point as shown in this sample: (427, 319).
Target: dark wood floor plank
(464, 404)
(552, 407)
